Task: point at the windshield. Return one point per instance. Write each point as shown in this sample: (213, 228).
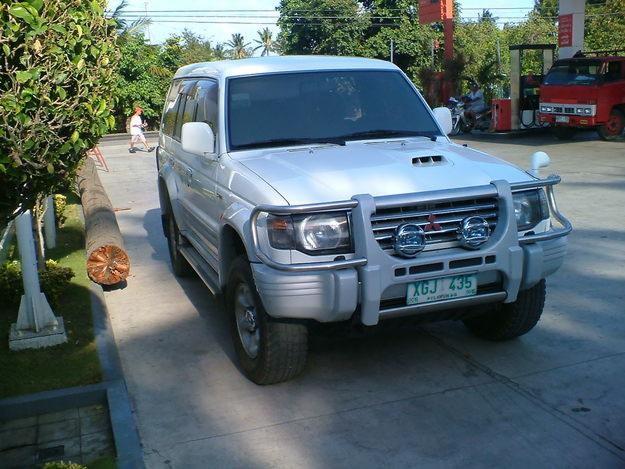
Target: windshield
(323, 107)
(574, 73)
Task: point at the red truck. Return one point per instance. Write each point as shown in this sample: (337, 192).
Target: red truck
(585, 92)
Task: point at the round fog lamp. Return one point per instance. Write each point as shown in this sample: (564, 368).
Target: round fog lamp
(474, 231)
(409, 240)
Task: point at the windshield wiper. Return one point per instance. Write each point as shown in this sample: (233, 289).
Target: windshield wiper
(382, 133)
(279, 142)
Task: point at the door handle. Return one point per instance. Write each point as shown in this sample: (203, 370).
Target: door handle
(189, 176)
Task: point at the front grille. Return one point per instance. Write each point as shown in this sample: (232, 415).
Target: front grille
(440, 221)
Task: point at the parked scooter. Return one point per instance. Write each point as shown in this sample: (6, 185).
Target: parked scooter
(466, 121)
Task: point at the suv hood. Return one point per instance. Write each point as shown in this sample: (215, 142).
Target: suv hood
(328, 173)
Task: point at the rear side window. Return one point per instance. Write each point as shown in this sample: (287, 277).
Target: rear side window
(171, 108)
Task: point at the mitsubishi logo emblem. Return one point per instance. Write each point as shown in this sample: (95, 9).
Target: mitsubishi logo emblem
(432, 225)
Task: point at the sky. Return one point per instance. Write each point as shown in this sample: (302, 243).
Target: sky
(161, 11)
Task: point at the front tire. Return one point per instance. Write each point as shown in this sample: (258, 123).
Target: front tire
(509, 320)
(614, 129)
(563, 133)
(467, 124)
(269, 351)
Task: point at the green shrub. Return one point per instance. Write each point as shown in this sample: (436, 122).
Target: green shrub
(63, 465)
(57, 71)
(60, 203)
(54, 280)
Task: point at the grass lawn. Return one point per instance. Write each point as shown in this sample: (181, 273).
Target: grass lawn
(74, 363)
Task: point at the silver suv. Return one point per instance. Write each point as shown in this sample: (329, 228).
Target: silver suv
(325, 189)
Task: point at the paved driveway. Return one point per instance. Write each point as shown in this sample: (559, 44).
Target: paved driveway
(431, 396)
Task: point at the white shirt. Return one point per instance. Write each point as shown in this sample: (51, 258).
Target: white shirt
(135, 125)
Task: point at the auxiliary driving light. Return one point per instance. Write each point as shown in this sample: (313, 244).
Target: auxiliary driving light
(474, 231)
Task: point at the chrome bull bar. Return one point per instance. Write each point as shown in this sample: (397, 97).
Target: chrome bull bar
(548, 184)
(432, 196)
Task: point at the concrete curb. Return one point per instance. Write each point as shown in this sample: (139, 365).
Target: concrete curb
(52, 401)
(125, 433)
(112, 392)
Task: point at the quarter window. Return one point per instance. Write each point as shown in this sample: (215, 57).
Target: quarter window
(171, 108)
(186, 109)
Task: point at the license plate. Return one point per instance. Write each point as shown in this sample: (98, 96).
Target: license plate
(438, 289)
(563, 119)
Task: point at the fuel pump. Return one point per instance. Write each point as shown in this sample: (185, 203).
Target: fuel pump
(525, 84)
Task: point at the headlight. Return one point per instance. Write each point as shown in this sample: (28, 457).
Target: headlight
(587, 111)
(316, 234)
(530, 208)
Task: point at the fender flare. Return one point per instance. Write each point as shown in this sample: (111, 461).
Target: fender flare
(237, 219)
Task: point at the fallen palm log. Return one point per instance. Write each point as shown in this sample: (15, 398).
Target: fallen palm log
(107, 260)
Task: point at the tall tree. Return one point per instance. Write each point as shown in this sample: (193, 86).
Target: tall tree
(265, 42)
(331, 27)
(605, 25)
(547, 9)
(238, 48)
(125, 28)
(487, 17)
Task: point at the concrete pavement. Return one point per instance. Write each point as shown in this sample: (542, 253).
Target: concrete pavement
(431, 396)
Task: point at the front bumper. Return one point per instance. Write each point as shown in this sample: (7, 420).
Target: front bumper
(374, 283)
(573, 121)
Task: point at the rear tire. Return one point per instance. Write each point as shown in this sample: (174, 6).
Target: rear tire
(509, 320)
(614, 129)
(269, 351)
(564, 133)
(179, 264)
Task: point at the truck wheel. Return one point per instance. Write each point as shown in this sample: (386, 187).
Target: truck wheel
(179, 264)
(614, 129)
(564, 133)
(509, 320)
(269, 351)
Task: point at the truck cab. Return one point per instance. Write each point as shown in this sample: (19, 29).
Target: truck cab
(585, 92)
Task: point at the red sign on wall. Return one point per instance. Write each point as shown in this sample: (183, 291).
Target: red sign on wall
(435, 10)
(565, 30)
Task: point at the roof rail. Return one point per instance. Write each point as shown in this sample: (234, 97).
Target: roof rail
(599, 53)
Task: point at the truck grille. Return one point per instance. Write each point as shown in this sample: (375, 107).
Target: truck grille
(440, 221)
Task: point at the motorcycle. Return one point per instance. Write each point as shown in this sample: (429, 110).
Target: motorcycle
(464, 121)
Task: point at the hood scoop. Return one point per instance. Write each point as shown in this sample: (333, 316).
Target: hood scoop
(434, 160)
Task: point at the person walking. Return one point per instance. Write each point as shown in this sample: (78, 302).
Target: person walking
(136, 131)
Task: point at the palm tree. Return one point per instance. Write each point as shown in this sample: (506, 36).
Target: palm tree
(238, 48)
(265, 42)
(123, 27)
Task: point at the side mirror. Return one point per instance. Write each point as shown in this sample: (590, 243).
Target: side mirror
(198, 138)
(443, 117)
(540, 159)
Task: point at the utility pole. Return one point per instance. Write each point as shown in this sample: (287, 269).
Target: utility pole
(392, 50)
(432, 52)
(148, 26)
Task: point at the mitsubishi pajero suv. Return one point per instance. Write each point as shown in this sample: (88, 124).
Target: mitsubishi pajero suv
(324, 189)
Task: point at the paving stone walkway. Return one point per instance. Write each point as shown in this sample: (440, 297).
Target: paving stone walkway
(80, 435)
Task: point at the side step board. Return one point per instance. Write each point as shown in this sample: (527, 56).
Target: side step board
(203, 268)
